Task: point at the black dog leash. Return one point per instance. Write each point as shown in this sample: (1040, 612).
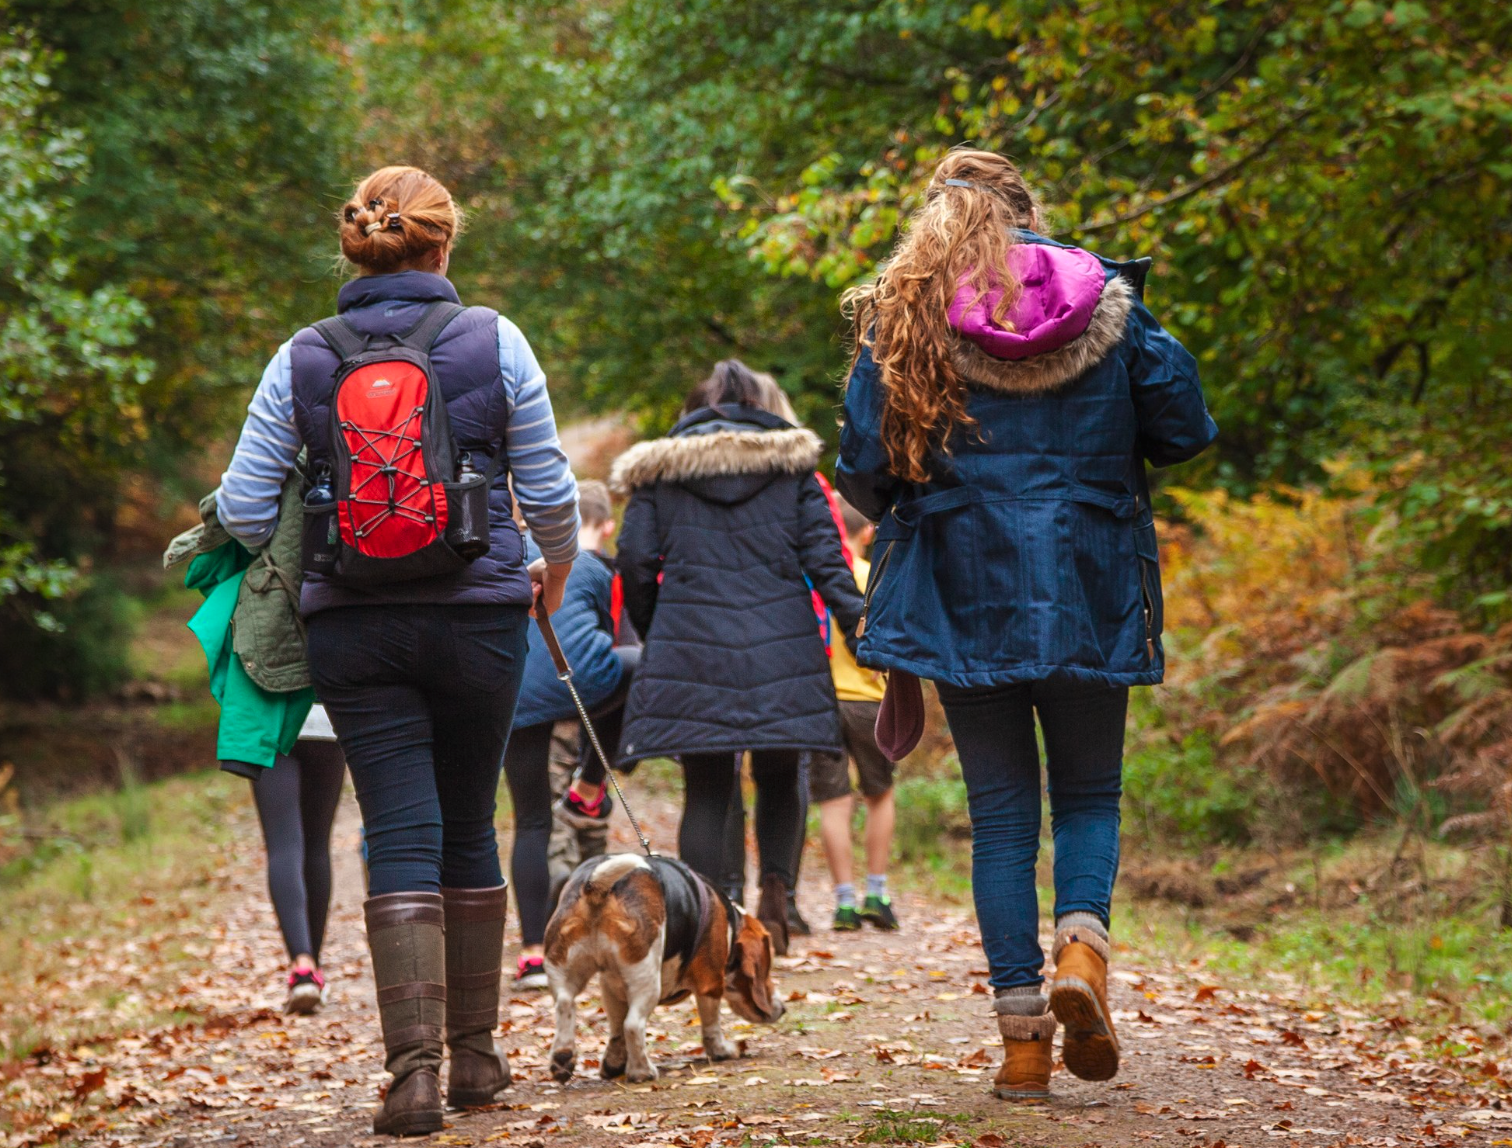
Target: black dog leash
(564, 673)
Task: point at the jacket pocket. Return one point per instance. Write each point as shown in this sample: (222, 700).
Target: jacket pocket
(1147, 553)
(878, 569)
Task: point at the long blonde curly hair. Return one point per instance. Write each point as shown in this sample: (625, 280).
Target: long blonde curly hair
(961, 233)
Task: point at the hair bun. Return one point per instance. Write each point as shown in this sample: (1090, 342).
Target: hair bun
(396, 217)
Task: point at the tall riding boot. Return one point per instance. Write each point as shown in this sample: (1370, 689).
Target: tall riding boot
(474, 953)
(406, 936)
(771, 911)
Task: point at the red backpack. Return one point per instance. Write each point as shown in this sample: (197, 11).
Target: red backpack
(399, 502)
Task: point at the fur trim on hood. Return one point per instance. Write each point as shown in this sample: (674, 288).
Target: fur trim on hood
(718, 453)
(1045, 372)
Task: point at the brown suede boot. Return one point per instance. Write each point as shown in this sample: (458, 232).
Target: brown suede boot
(771, 911)
(1025, 1074)
(1079, 999)
(474, 953)
(407, 939)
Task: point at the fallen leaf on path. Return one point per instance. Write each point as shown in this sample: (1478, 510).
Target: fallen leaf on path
(89, 1082)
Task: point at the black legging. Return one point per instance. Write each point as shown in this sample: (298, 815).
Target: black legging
(709, 779)
(296, 803)
(733, 865)
(527, 769)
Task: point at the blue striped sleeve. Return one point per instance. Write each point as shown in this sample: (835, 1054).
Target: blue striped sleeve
(543, 482)
(269, 445)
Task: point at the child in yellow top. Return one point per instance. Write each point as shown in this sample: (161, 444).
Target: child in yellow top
(859, 692)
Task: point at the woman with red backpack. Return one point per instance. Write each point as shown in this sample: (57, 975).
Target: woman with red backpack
(409, 409)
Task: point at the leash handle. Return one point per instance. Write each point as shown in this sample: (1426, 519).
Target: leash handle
(564, 673)
(553, 646)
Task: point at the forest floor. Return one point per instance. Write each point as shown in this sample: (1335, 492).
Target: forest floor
(888, 1039)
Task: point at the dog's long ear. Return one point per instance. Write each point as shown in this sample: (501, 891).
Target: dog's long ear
(756, 963)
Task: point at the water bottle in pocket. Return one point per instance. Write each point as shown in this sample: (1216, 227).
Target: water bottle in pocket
(321, 530)
(467, 511)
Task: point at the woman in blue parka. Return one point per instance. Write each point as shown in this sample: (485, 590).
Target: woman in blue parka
(1006, 396)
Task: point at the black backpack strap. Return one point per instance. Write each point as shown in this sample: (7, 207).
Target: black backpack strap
(423, 335)
(341, 337)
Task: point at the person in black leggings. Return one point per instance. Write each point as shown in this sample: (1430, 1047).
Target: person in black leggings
(296, 803)
(725, 533)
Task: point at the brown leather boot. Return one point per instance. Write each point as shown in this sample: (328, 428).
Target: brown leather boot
(1025, 1074)
(771, 911)
(474, 953)
(407, 940)
(1079, 1000)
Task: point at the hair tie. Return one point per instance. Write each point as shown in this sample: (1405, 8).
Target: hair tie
(390, 221)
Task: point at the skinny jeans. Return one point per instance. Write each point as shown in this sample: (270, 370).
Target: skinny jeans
(994, 732)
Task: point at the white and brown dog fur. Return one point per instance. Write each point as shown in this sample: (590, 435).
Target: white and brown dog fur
(654, 931)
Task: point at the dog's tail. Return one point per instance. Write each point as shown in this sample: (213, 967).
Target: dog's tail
(607, 874)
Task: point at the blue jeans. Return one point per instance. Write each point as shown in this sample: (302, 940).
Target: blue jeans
(1000, 763)
(422, 699)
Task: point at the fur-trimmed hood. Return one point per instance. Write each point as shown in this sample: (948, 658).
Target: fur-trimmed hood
(727, 452)
(1069, 315)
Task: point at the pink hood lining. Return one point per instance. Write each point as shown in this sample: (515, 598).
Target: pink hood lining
(1060, 289)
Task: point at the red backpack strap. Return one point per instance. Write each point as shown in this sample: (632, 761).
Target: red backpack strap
(616, 601)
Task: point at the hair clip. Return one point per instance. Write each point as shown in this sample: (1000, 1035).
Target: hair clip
(961, 183)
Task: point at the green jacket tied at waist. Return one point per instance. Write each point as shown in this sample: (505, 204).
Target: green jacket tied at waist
(250, 630)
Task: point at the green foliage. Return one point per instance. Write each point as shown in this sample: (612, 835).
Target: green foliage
(931, 813)
(165, 174)
(67, 368)
(656, 186)
(1178, 793)
(84, 652)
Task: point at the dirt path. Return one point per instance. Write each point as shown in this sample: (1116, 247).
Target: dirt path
(888, 1038)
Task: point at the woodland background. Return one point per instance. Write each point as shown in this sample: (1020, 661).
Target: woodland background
(1325, 187)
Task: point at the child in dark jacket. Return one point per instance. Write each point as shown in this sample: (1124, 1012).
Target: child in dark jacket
(585, 627)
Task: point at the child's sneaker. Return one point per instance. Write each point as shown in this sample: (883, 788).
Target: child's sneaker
(847, 920)
(577, 813)
(531, 974)
(878, 911)
(306, 992)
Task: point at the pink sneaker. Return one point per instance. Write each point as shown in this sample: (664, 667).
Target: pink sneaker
(307, 992)
(531, 974)
(577, 813)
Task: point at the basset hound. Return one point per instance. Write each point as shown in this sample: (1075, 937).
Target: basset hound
(654, 931)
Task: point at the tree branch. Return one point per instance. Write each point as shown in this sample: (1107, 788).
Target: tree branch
(1222, 175)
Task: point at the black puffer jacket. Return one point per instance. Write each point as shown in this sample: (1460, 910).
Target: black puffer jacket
(725, 520)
